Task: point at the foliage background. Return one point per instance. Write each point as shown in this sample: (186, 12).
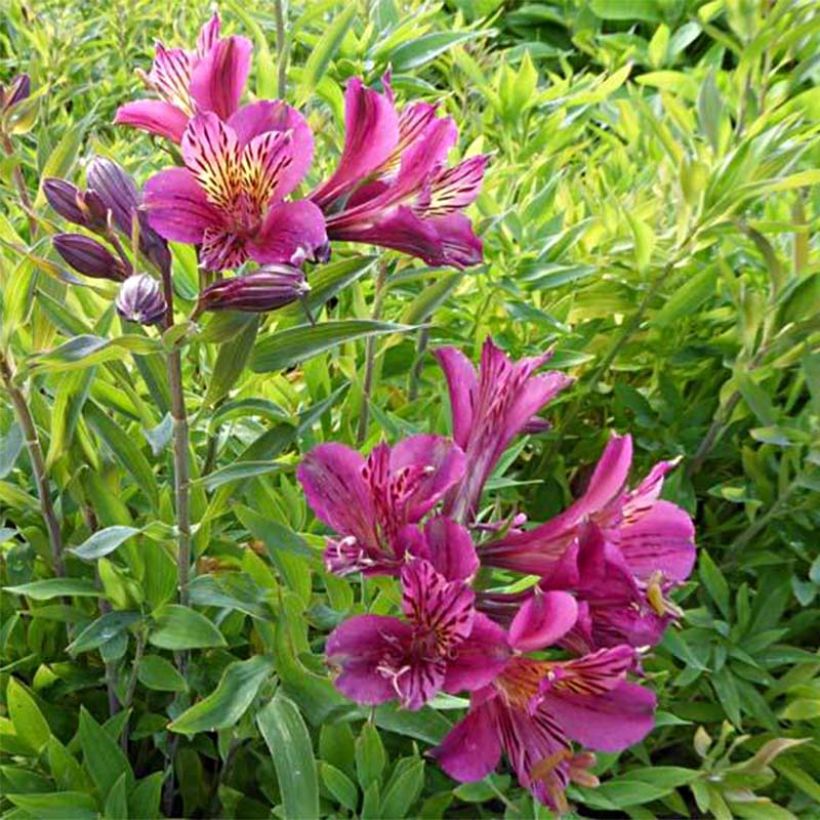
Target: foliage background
(649, 211)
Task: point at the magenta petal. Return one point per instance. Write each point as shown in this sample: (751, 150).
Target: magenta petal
(607, 722)
(543, 620)
(472, 749)
(178, 208)
(662, 539)
(371, 134)
(331, 476)
(608, 479)
(424, 157)
(208, 35)
(478, 659)
(359, 646)
(442, 464)
(258, 118)
(219, 78)
(292, 233)
(155, 116)
(462, 385)
(450, 548)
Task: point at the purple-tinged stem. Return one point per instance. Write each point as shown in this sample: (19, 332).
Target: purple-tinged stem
(370, 358)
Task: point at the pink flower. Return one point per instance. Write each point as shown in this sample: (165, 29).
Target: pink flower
(211, 78)
(229, 197)
(392, 187)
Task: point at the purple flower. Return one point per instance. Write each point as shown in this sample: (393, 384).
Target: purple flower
(229, 197)
(211, 78)
(443, 643)
(489, 409)
(532, 711)
(370, 502)
(89, 257)
(392, 187)
(141, 300)
(18, 90)
(271, 287)
(85, 208)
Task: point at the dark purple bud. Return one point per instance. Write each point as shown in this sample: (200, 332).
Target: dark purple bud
(18, 91)
(116, 189)
(269, 288)
(141, 300)
(153, 245)
(321, 254)
(65, 199)
(536, 425)
(95, 211)
(89, 257)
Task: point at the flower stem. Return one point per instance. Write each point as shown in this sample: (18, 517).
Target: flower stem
(131, 686)
(38, 464)
(281, 49)
(370, 358)
(415, 373)
(22, 190)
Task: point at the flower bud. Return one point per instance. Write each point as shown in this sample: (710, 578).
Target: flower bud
(141, 300)
(153, 245)
(271, 287)
(84, 208)
(18, 91)
(116, 190)
(89, 257)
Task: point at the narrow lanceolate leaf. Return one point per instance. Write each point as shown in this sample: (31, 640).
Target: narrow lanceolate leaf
(103, 542)
(54, 588)
(324, 51)
(103, 757)
(102, 630)
(85, 351)
(230, 362)
(238, 471)
(292, 752)
(56, 806)
(28, 721)
(292, 346)
(228, 702)
(421, 50)
(179, 627)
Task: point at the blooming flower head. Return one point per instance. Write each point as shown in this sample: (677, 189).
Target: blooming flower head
(392, 187)
(370, 502)
(229, 197)
(489, 409)
(210, 78)
(441, 644)
(532, 711)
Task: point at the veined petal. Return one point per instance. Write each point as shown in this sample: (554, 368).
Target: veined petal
(274, 115)
(472, 749)
(608, 480)
(370, 650)
(457, 242)
(211, 154)
(424, 157)
(435, 605)
(452, 189)
(462, 385)
(265, 161)
(371, 134)
(208, 35)
(543, 620)
(292, 233)
(155, 116)
(479, 658)
(170, 76)
(218, 79)
(450, 549)
(178, 208)
(222, 249)
(413, 122)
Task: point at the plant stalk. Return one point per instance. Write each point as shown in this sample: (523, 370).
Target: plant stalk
(22, 190)
(281, 49)
(370, 358)
(38, 464)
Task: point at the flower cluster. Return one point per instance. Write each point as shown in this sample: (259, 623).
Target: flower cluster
(545, 667)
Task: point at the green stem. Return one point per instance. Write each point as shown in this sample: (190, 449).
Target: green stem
(415, 373)
(22, 190)
(281, 49)
(131, 686)
(38, 464)
(370, 358)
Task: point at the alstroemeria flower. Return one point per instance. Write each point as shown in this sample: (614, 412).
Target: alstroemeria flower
(370, 502)
(532, 711)
(392, 187)
(441, 644)
(654, 537)
(489, 409)
(211, 78)
(229, 197)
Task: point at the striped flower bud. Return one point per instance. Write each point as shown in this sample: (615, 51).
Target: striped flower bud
(18, 90)
(141, 300)
(89, 257)
(84, 208)
(269, 288)
(116, 190)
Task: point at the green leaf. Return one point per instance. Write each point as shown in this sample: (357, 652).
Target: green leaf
(710, 108)
(56, 806)
(403, 789)
(420, 50)
(340, 786)
(230, 362)
(289, 743)
(686, 300)
(238, 471)
(116, 804)
(179, 627)
(104, 759)
(430, 298)
(61, 159)
(64, 767)
(103, 542)
(155, 672)
(105, 628)
(648, 10)
(144, 800)
(85, 351)
(370, 756)
(28, 721)
(55, 587)
(713, 580)
(329, 280)
(228, 702)
(323, 52)
(292, 346)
